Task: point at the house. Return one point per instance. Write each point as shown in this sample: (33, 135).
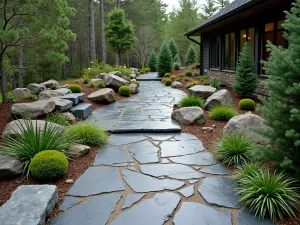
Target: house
(222, 37)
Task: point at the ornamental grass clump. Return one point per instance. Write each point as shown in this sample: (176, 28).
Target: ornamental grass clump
(234, 149)
(191, 100)
(58, 118)
(222, 113)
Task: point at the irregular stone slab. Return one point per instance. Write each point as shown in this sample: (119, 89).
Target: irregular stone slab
(130, 199)
(53, 84)
(115, 82)
(184, 137)
(9, 167)
(142, 183)
(216, 169)
(63, 91)
(245, 124)
(33, 109)
(202, 91)
(175, 171)
(144, 152)
(96, 181)
(164, 160)
(132, 168)
(105, 95)
(82, 110)
(179, 148)
(187, 192)
(77, 151)
(219, 191)
(123, 139)
(21, 92)
(49, 94)
(146, 126)
(110, 155)
(221, 97)
(69, 202)
(153, 211)
(245, 217)
(62, 105)
(36, 88)
(199, 159)
(189, 115)
(192, 181)
(95, 211)
(29, 204)
(197, 213)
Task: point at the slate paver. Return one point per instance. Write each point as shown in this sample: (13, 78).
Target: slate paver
(181, 148)
(216, 169)
(123, 139)
(130, 199)
(187, 192)
(69, 202)
(144, 152)
(245, 217)
(199, 159)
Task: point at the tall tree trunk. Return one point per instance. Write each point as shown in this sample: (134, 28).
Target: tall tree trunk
(80, 58)
(2, 81)
(118, 55)
(119, 58)
(102, 22)
(21, 67)
(64, 70)
(92, 30)
(127, 59)
(119, 3)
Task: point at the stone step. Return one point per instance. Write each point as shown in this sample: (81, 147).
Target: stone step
(29, 204)
(76, 98)
(82, 110)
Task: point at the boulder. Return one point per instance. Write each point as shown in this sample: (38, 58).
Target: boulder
(132, 76)
(96, 80)
(101, 75)
(245, 125)
(14, 127)
(77, 151)
(21, 92)
(135, 71)
(189, 115)
(33, 109)
(29, 204)
(105, 95)
(36, 88)
(202, 91)
(115, 82)
(61, 105)
(116, 73)
(134, 88)
(177, 84)
(63, 91)
(64, 86)
(221, 97)
(49, 94)
(71, 117)
(132, 80)
(53, 84)
(9, 167)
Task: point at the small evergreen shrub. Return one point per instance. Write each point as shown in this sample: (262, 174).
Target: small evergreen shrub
(165, 61)
(124, 91)
(49, 165)
(182, 75)
(189, 73)
(173, 48)
(87, 133)
(92, 85)
(176, 66)
(196, 74)
(191, 56)
(222, 113)
(191, 100)
(167, 75)
(152, 61)
(75, 88)
(247, 104)
(101, 84)
(168, 82)
(179, 79)
(58, 118)
(215, 83)
(234, 149)
(173, 78)
(85, 80)
(177, 60)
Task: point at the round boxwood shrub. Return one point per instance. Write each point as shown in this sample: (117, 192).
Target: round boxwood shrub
(167, 75)
(222, 113)
(247, 104)
(168, 82)
(124, 91)
(48, 165)
(75, 88)
(189, 73)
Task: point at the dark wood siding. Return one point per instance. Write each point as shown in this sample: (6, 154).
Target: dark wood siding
(205, 54)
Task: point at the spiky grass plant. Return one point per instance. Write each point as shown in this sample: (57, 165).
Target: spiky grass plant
(234, 149)
(58, 118)
(267, 195)
(246, 170)
(191, 100)
(31, 140)
(222, 113)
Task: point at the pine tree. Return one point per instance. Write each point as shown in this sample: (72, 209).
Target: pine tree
(245, 80)
(152, 61)
(165, 62)
(282, 110)
(191, 56)
(173, 48)
(209, 9)
(222, 3)
(177, 59)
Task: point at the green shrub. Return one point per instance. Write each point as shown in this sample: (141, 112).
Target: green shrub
(98, 68)
(267, 195)
(32, 140)
(101, 84)
(189, 85)
(206, 82)
(152, 61)
(148, 69)
(191, 100)
(92, 85)
(85, 80)
(87, 133)
(165, 61)
(75, 88)
(245, 171)
(58, 118)
(247, 104)
(191, 56)
(124, 91)
(31, 96)
(167, 75)
(204, 77)
(215, 83)
(196, 74)
(176, 66)
(222, 113)
(189, 73)
(179, 79)
(182, 75)
(187, 79)
(177, 60)
(168, 82)
(48, 165)
(234, 149)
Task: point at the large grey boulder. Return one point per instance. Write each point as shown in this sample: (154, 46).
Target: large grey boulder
(134, 88)
(101, 75)
(177, 84)
(53, 84)
(14, 127)
(36, 88)
(49, 94)
(61, 105)
(9, 167)
(77, 151)
(245, 125)
(29, 205)
(202, 91)
(132, 76)
(21, 92)
(63, 91)
(116, 73)
(135, 71)
(189, 115)
(96, 80)
(105, 95)
(221, 97)
(33, 109)
(115, 82)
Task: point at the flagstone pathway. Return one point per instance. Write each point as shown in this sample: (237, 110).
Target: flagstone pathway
(152, 176)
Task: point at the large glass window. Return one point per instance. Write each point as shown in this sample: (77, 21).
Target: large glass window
(229, 52)
(215, 52)
(248, 35)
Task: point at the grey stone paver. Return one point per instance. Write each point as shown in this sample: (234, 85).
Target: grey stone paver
(246, 218)
(181, 148)
(199, 159)
(123, 139)
(69, 202)
(216, 169)
(130, 199)
(188, 191)
(144, 152)
(149, 77)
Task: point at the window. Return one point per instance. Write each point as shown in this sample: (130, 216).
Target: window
(248, 35)
(215, 52)
(229, 52)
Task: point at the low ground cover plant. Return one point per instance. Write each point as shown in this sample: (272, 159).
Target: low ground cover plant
(168, 82)
(124, 91)
(191, 100)
(222, 113)
(189, 73)
(75, 88)
(98, 68)
(101, 84)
